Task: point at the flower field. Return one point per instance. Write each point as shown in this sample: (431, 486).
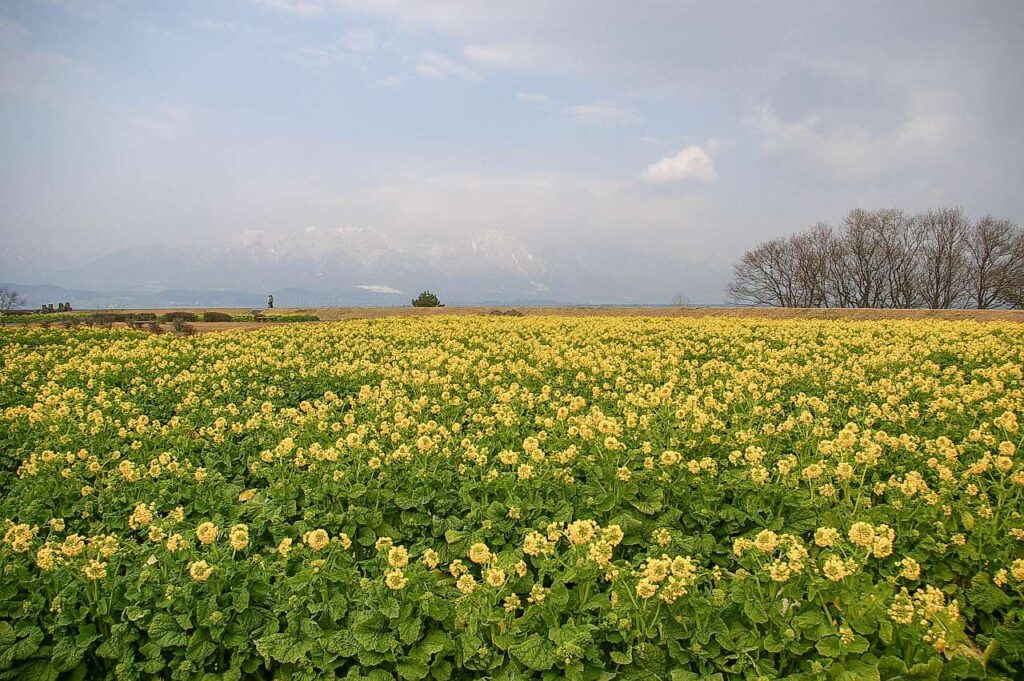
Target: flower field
(528, 498)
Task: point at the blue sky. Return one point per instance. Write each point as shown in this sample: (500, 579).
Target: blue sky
(655, 139)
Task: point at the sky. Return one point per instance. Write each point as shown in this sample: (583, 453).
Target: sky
(643, 144)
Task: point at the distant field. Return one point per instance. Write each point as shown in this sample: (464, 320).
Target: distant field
(345, 313)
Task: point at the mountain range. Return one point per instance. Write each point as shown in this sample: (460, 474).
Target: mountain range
(343, 266)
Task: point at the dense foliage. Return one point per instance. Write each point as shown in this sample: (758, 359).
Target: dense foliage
(514, 498)
(426, 299)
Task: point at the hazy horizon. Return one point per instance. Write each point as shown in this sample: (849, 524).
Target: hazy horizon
(581, 152)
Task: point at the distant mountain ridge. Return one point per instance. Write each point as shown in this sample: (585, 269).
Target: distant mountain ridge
(344, 266)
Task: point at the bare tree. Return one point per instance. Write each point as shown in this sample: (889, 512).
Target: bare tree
(9, 299)
(865, 264)
(943, 271)
(885, 258)
(899, 239)
(1011, 289)
(680, 300)
(993, 263)
(764, 276)
(811, 252)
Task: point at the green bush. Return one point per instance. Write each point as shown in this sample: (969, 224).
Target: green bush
(214, 316)
(427, 299)
(179, 315)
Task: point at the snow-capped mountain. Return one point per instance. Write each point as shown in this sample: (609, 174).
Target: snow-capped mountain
(346, 260)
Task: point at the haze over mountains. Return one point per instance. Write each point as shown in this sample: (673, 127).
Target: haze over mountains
(346, 266)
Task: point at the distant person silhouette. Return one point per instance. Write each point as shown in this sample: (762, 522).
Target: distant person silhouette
(270, 302)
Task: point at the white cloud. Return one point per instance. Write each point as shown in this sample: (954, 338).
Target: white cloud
(433, 64)
(534, 97)
(359, 40)
(354, 47)
(378, 288)
(513, 56)
(214, 26)
(605, 113)
(858, 152)
(303, 8)
(170, 122)
(693, 162)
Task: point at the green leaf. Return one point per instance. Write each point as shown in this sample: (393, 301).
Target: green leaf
(20, 649)
(535, 653)
(891, 666)
(646, 507)
(433, 643)
(412, 669)
(755, 611)
(812, 619)
(409, 629)
(374, 634)
(284, 648)
(985, 595)
(165, 632)
(67, 653)
(855, 670)
(829, 646)
(682, 675)
(622, 656)
(926, 671)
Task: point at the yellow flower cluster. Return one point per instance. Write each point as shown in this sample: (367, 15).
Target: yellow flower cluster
(668, 578)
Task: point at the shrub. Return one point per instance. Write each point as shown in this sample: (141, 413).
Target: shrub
(427, 299)
(214, 316)
(179, 315)
(293, 318)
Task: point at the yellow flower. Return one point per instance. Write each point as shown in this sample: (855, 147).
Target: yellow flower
(466, 584)
(480, 554)
(73, 545)
(238, 536)
(430, 558)
(825, 537)
(18, 537)
(494, 576)
(662, 537)
(95, 570)
(398, 557)
(862, 534)
(45, 558)
(284, 547)
(317, 539)
(207, 533)
(910, 568)
(766, 541)
(395, 579)
(200, 570)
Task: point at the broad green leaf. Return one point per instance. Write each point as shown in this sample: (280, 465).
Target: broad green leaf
(535, 653)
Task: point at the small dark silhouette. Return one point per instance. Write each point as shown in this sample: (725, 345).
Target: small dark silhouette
(270, 302)
(427, 299)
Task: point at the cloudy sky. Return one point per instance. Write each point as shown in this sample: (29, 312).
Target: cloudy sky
(652, 141)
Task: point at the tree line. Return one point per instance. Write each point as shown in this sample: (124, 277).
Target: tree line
(888, 258)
